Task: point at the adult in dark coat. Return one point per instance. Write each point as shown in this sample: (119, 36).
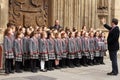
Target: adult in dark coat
(113, 43)
(57, 25)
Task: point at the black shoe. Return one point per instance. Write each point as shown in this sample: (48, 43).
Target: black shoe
(77, 65)
(52, 68)
(12, 72)
(18, 71)
(34, 71)
(102, 63)
(111, 73)
(91, 64)
(43, 70)
(71, 66)
(7, 72)
(85, 65)
(57, 67)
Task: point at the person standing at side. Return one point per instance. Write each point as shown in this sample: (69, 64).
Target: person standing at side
(8, 50)
(113, 43)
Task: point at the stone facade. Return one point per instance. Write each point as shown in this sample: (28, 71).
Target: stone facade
(70, 13)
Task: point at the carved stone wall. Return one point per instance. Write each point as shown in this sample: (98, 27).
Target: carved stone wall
(28, 12)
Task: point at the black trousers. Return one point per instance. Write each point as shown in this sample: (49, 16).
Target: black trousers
(18, 66)
(27, 64)
(8, 65)
(113, 58)
(33, 64)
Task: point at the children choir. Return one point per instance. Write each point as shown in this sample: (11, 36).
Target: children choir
(40, 48)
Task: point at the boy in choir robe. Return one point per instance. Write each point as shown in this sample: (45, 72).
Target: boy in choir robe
(65, 50)
(26, 56)
(92, 48)
(71, 50)
(85, 49)
(34, 51)
(8, 50)
(78, 47)
(97, 48)
(18, 51)
(51, 51)
(58, 50)
(103, 47)
(43, 51)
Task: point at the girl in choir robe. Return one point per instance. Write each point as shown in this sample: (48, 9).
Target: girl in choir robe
(103, 47)
(26, 56)
(58, 50)
(92, 48)
(65, 50)
(8, 50)
(18, 51)
(43, 51)
(97, 48)
(78, 47)
(34, 51)
(51, 51)
(85, 49)
(71, 50)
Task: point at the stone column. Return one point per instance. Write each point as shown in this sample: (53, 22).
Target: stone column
(86, 12)
(117, 10)
(94, 13)
(4, 17)
(77, 14)
(65, 16)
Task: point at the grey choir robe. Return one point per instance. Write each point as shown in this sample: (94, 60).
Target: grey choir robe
(26, 47)
(92, 48)
(51, 51)
(33, 48)
(103, 46)
(43, 49)
(58, 48)
(97, 47)
(85, 46)
(71, 48)
(18, 49)
(64, 48)
(78, 47)
(8, 47)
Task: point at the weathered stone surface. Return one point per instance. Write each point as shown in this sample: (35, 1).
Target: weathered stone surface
(28, 12)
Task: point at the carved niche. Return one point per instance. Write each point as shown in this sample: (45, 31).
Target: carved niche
(28, 12)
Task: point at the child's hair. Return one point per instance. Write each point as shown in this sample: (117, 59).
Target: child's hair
(101, 34)
(43, 34)
(18, 33)
(6, 32)
(62, 35)
(48, 35)
(76, 34)
(82, 33)
(70, 34)
(96, 33)
(56, 35)
(33, 33)
(9, 25)
(27, 33)
(91, 33)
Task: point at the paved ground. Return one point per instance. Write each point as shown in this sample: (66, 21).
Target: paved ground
(82, 73)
